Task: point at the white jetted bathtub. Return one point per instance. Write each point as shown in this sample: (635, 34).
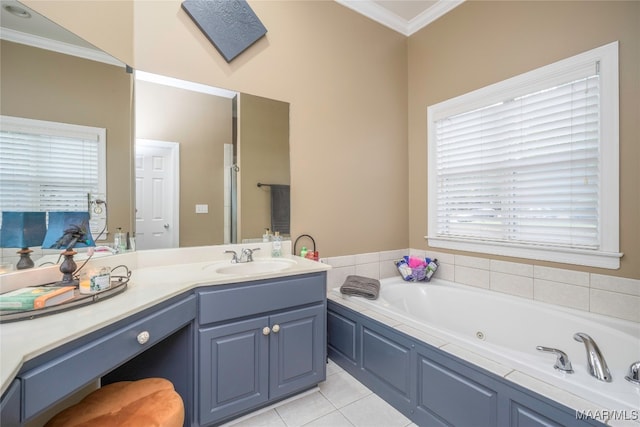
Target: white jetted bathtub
(507, 329)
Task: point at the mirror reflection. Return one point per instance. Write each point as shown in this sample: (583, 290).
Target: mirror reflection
(200, 154)
(226, 142)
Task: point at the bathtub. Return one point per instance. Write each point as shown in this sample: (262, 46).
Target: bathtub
(507, 329)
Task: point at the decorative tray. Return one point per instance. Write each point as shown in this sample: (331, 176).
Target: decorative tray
(118, 285)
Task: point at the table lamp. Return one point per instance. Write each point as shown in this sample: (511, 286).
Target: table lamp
(22, 230)
(68, 230)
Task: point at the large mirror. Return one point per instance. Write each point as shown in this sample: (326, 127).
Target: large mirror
(227, 143)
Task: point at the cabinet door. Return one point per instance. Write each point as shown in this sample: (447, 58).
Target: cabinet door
(297, 350)
(10, 406)
(234, 368)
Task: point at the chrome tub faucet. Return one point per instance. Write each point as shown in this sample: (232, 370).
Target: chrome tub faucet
(634, 373)
(596, 364)
(562, 360)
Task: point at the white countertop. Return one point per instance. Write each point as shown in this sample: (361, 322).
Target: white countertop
(156, 277)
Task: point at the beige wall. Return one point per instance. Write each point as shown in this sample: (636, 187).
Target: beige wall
(345, 77)
(358, 172)
(201, 124)
(480, 43)
(45, 85)
(264, 157)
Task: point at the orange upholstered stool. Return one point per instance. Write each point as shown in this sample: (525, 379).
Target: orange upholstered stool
(147, 402)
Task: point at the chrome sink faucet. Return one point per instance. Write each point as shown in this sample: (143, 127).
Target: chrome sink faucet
(595, 361)
(247, 254)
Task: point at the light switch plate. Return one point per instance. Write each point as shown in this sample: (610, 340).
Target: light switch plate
(202, 209)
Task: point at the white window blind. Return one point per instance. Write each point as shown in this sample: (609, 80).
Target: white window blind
(526, 170)
(47, 166)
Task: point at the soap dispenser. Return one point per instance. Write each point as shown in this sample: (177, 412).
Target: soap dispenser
(276, 245)
(119, 241)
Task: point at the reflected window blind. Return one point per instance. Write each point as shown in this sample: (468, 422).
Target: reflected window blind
(47, 171)
(525, 170)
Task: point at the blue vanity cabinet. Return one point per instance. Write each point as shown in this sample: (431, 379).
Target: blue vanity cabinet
(234, 368)
(297, 350)
(10, 406)
(55, 375)
(259, 342)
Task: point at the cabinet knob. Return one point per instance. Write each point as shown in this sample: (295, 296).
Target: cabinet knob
(143, 337)
(275, 329)
(266, 330)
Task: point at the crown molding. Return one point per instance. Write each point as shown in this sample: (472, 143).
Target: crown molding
(377, 13)
(58, 46)
(441, 8)
(389, 19)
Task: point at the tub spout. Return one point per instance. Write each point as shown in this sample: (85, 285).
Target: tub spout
(595, 362)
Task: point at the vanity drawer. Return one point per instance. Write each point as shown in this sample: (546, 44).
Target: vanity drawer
(57, 378)
(246, 299)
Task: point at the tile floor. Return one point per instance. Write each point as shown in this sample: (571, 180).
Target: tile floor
(341, 401)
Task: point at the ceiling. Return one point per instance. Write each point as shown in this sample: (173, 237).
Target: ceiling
(36, 30)
(403, 16)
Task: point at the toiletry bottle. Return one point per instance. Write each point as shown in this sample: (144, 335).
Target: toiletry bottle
(276, 245)
(119, 241)
(431, 268)
(303, 252)
(266, 237)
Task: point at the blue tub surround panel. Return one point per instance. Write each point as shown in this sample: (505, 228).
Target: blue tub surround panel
(430, 386)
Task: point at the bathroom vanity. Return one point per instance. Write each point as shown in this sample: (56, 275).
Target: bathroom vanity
(258, 343)
(229, 343)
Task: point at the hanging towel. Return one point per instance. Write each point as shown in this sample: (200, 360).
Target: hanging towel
(280, 208)
(361, 286)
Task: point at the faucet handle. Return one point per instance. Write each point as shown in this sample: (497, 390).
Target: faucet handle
(634, 373)
(235, 256)
(249, 253)
(562, 362)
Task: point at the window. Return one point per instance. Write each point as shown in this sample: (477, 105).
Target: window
(49, 166)
(528, 167)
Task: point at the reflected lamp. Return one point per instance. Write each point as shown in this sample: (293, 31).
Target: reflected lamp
(68, 230)
(23, 230)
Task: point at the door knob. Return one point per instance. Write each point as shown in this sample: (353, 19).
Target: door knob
(266, 330)
(166, 226)
(275, 329)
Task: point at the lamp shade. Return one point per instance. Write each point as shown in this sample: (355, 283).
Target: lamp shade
(22, 229)
(68, 230)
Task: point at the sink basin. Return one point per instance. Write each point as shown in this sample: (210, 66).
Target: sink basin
(257, 266)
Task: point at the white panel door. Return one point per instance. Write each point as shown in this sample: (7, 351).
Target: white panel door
(157, 194)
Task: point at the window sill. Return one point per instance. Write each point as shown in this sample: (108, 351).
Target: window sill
(609, 260)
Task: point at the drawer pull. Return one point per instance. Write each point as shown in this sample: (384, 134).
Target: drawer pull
(266, 330)
(275, 329)
(143, 337)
